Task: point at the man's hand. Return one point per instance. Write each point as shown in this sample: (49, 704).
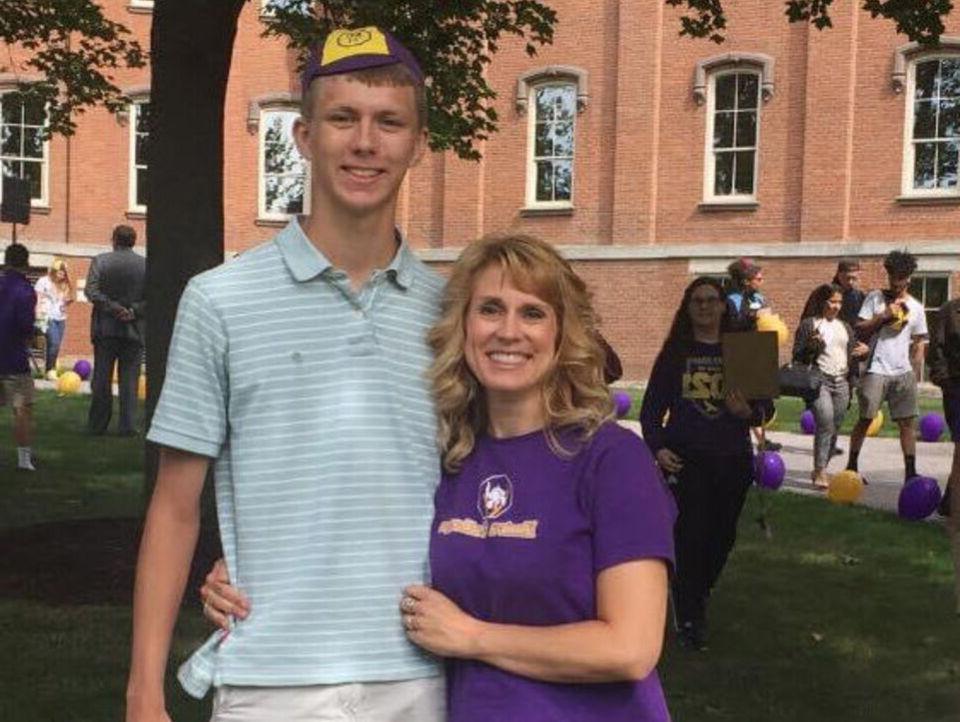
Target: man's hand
(139, 710)
(737, 405)
(669, 461)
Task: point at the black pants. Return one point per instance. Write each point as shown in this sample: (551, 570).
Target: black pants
(710, 493)
(126, 353)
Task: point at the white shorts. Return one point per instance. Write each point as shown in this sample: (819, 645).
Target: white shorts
(419, 700)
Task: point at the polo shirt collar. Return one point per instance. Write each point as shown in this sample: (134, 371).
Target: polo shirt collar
(305, 261)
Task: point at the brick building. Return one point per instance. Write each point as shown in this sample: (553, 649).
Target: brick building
(647, 157)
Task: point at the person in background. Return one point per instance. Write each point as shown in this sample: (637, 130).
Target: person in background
(18, 303)
(746, 302)
(55, 291)
(896, 326)
(704, 445)
(115, 287)
(824, 340)
(943, 360)
(847, 278)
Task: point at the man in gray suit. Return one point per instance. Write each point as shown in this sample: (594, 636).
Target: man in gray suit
(115, 288)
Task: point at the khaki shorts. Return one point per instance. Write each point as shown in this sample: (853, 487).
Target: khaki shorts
(16, 390)
(900, 393)
(415, 700)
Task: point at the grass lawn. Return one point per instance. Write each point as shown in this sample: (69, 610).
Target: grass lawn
(844, 615)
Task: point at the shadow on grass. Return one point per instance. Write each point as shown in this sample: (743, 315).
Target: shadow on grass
(85, 561)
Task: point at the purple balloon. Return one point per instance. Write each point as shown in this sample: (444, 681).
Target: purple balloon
(621, 402)
(918, 498)
(769, 469)
(931, 427)
(82, 368)
(808, 424)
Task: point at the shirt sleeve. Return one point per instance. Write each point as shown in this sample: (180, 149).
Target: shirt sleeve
(191, 414)
(920, 325)
(632, 511)
(869, 307)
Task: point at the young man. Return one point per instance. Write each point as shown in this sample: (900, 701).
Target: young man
(298, 369)
(895, 324)
(18, 303)
(943, 360)
(115, 288)
(848, 278)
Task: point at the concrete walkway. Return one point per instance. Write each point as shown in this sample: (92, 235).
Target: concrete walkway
(880, 461)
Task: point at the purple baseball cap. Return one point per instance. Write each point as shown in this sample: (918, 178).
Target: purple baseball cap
(349, 50)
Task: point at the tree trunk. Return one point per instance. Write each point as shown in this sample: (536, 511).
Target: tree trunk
(192, 46)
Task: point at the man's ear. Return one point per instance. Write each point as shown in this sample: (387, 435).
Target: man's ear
(422, 146)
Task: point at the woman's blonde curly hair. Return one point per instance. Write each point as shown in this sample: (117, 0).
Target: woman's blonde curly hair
(574, 393)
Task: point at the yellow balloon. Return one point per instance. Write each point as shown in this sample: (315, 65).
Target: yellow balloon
(773, 322)
(845, 487)
(875, 425)
(142, 388)
(68, 383)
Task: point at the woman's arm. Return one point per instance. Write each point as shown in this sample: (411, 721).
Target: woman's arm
(658, 398)
(623, 643)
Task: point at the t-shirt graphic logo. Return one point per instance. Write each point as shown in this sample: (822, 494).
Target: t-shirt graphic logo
(495, 497)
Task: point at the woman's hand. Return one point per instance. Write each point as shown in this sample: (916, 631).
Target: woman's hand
(220, 600)
(737, 405)
(438, 625)
(669, 461)
(860, 349)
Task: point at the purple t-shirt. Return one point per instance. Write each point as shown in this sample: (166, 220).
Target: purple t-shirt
(519, 536)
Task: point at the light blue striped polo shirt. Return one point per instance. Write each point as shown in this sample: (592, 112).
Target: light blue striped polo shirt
(313, 401)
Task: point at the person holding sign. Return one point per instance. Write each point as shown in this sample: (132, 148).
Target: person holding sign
(703, 445)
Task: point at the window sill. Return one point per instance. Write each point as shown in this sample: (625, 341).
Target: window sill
(928, 200)
(43, 210)
(534, 211)
(140, 9)
(272, 222)
(136, 215)
(721, 206)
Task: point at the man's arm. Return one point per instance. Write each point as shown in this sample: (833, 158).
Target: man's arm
(96, 296)
(169, 538)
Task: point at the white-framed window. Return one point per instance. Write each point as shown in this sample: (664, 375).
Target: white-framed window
(732, 137)
(23, 152)
(284, 175)
(550, 145)
(139, 138)
(932, 126)
(932, 290)
(147, 4)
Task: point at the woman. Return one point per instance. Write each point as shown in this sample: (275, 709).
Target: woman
(824, 340)
(552, 529)
(700, 435)
(55, 292)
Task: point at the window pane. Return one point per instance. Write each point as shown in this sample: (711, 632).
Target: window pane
(33, 112)
(543, 143)
(924, 119)
(746, 129)
(555, 102)
(723, 130)
(747, 84)
(563, 139)
(31, 171)
(925, 157)
(916, 288)
(10, 169)
(11, 139)
(32, 144)
(140, 149)
(723, 174)
(565, 106)
(143, 117)
(11, 108)
(948, 120)
(544, 180)
(726, 90)
(744, 172)
(950, 78)
(926, 79)
(562, 180)
(284, 194)
(936, 292)
(947, 165)
(142, 179)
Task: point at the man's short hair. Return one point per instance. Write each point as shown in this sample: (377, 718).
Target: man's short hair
(742, 270)
(124, 236)
(900, 264)
(848, 265)
(16, 255)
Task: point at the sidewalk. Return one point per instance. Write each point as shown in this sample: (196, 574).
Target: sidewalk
(880, 461)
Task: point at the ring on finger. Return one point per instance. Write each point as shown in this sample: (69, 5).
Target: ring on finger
(408, 604)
